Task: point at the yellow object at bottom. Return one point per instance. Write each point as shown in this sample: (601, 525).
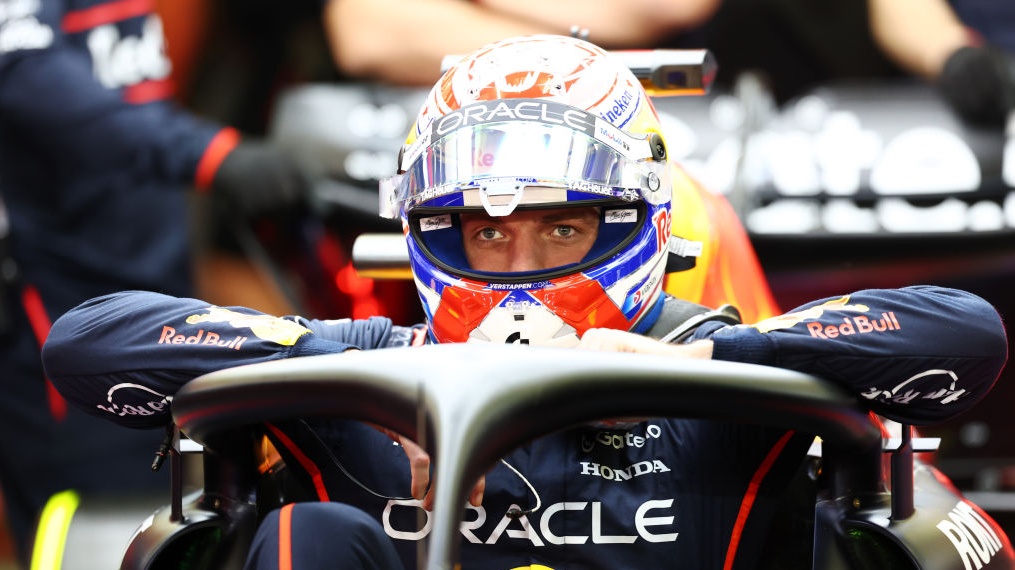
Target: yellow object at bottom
(51, 535)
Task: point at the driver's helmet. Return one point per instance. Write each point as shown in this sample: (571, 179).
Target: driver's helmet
(536, 122)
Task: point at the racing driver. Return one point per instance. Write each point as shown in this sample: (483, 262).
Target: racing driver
(535, 195)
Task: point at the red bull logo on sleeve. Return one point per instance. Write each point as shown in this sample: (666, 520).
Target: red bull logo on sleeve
(847, 326)
(170, 336)
(860, 324)
(266, 327)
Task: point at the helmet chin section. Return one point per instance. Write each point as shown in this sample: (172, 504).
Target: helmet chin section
(520, 320)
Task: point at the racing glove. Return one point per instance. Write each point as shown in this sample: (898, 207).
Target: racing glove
(257, 178)
(979, 84)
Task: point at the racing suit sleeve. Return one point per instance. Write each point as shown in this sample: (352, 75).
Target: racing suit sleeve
(918, 354)
(81, 110)
(122, 356)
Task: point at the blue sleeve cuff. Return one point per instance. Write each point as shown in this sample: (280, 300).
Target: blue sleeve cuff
(313, 345)
(743, 344)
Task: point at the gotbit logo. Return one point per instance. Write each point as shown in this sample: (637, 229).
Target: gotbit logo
(935, 384)
(129, 399)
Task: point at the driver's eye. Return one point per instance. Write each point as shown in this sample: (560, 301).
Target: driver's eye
(488, 233)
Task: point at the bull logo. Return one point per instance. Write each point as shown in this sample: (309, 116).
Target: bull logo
(266, 327)
(790, 320)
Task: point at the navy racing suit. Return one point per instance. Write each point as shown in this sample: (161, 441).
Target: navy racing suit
(704, 493)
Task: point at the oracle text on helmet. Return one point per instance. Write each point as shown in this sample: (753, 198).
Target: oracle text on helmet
(515, 110)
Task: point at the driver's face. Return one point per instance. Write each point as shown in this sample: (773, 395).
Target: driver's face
(529, 240)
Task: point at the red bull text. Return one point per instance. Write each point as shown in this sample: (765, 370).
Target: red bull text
(860, 324)
(202, 337)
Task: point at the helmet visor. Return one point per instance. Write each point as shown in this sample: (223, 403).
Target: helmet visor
(530, 245)
(502, 165)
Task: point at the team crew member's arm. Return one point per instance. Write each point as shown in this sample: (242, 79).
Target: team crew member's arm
(89, 91)
(359, 31)
(918, 354)
(120, 356)
(89, 113)
(918, 35)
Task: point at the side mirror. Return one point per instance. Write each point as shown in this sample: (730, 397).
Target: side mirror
(381, 256)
